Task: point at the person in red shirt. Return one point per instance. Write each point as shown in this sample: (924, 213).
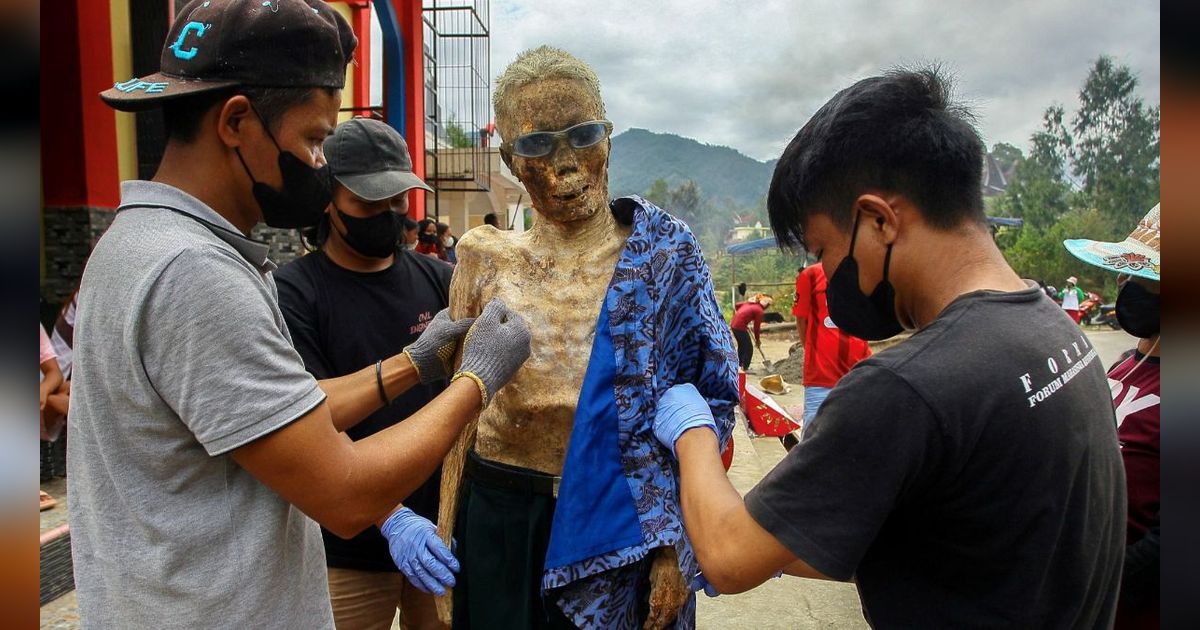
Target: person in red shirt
(1135, 391)
(828, 352)
(743, 314)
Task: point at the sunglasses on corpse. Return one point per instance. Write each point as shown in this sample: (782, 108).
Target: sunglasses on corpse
(541, 143)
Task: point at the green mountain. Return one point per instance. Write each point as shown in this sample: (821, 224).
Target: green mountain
(639, 157)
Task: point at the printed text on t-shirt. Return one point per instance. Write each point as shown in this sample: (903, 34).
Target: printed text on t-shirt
(422, 323)
(1074, 357)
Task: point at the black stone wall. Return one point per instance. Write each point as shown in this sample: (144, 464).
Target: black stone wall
(68, 237)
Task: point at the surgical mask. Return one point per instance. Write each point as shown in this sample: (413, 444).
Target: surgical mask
(427, 238)
(374, 237)
(866, 317)
(1138, 310)
(306, 190)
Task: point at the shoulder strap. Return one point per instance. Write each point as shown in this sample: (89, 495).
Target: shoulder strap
(208, 224)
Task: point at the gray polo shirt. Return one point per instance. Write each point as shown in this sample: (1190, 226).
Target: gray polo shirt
(181, 356)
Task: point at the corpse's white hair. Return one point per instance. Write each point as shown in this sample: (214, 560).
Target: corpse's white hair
(536, 64)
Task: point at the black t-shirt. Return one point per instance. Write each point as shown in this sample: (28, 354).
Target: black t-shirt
(967, 477)
(342, 321)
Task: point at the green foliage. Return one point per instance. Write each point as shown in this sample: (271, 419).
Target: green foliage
(1116, 144)
(1040, 255)
(769, 271)
(1006, 155)
(1093, 177)
(458, 138)
(688, 203)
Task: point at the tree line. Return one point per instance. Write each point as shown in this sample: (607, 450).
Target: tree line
(1092, 173)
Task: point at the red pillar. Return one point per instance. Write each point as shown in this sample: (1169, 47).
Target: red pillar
(361, 14)
(79, 132)
(408, 15)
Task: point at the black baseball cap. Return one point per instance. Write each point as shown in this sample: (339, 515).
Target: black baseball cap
(221, 44)
(371, 159)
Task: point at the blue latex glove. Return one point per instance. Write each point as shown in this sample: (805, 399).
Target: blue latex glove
(700, 582)
(679, 409)
(418, 552)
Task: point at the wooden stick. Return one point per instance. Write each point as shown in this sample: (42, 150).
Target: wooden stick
(452, 473)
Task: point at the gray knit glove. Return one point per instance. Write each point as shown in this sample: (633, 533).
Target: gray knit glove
(432, 354)
(494, 349)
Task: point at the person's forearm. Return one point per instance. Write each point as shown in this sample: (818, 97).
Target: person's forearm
(52, 378)
(383, 519)
(353, 397)
(392, 464)
(711, 506)
(801, 324)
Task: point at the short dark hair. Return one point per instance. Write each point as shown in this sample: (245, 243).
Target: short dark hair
(897, 132)
(182, 116)
(409, 224)
(490, 219)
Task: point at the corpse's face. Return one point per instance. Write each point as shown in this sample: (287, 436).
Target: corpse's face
(568, 184)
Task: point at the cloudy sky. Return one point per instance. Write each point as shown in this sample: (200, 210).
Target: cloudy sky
(749, 74)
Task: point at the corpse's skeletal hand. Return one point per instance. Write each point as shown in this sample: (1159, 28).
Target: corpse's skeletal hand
(668, 590)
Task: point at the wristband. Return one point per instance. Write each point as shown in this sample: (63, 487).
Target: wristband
(379, 382)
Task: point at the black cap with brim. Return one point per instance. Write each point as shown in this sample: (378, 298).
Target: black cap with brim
(153, 90)
(222, 44)
(381, 185)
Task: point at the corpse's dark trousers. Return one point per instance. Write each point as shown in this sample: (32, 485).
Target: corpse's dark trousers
(745, 348)
(502, 533)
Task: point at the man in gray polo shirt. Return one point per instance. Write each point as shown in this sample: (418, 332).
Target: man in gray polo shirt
(202, 441)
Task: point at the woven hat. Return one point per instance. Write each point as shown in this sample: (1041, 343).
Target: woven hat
(1137, 255)
(774, 384)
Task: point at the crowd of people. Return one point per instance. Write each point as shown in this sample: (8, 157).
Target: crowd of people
(255, 446)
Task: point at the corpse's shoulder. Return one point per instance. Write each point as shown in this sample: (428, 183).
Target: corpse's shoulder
(485, 245)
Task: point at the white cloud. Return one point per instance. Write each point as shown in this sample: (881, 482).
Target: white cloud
(749, 74)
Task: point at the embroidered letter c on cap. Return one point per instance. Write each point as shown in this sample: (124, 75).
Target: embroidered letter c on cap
(177, 47)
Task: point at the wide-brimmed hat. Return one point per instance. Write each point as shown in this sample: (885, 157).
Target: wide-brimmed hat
(774, 384)
(224, 44)
(1137, 255)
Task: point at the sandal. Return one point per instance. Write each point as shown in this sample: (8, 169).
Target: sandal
(46, 501)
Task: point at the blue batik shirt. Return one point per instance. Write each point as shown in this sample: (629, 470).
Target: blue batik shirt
(659, 325)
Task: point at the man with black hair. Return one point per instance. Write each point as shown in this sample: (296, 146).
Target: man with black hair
(202, 451)
(490, 219)
(358, 274)
(966, 477)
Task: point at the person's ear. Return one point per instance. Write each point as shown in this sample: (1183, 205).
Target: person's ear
(234, 120)
(881, 215)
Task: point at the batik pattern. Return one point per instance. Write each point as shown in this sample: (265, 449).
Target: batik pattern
(666, 329)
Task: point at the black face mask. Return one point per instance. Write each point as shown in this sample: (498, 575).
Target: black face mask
(427, 238)
(871, 318)
(373, 237)
(306, 190)
(1137, 310)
